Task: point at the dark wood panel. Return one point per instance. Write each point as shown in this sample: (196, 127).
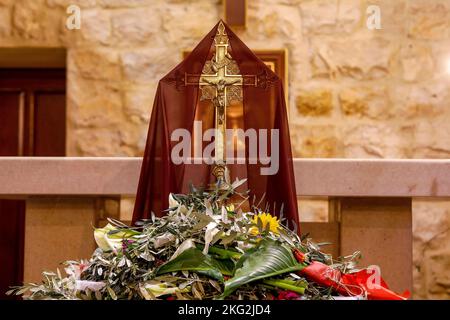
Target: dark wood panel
(33, 79)
(11, 126)
(32, 123)
(12, 212)
(49, 124)
(12, 217)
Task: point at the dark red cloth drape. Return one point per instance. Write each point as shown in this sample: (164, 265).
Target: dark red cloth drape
(177, 105)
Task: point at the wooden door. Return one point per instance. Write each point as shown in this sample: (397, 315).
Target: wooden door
(32, 123)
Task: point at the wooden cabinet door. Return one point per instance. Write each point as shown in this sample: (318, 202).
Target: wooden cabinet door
(32, 123)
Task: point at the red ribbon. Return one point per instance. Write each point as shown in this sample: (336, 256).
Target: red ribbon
(351, 284)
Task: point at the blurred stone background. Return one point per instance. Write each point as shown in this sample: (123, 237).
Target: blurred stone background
(353, 92)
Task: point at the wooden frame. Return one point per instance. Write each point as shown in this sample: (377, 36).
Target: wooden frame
(277, 61)
(33, 57)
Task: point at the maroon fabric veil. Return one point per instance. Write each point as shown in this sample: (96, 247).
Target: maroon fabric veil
(177, 105)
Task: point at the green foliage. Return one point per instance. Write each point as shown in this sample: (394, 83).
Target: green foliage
(270, 258)
(201, 249)
(194, 260)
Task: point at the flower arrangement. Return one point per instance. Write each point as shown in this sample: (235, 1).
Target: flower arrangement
(205, 248)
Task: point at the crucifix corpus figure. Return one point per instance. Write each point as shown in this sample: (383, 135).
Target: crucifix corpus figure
(221, 82)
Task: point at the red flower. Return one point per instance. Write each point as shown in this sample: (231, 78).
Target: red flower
(300, 256)
(288, 295)
(347, 284)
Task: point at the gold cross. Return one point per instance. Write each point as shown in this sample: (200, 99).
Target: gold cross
(220, 82)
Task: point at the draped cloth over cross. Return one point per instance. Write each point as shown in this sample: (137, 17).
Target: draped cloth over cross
(221, 84)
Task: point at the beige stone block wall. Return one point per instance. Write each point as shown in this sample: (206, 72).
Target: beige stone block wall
(353, 92)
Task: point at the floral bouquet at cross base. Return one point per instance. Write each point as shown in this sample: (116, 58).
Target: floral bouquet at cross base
(207, 248)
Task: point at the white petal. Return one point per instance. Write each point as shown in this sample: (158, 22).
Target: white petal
(91, 285)
(210, 232)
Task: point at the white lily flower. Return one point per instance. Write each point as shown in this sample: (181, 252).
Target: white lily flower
(82, 285)
(100, 235)
(172, 202)
(108, 242)
(161, 289)
(210, 232)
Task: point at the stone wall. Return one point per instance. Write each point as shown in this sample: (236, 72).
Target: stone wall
(353, 92)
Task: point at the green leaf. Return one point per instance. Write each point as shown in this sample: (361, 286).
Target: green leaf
(203, 221)
(269, 259)
(226, 266)
(194, 260)
(225, 253)
(230, 238)
(112, 293)
(286, 285)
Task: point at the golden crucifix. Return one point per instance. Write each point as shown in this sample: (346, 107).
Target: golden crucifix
(222, 83)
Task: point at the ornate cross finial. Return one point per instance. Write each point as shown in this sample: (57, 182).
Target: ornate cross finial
(221, 35)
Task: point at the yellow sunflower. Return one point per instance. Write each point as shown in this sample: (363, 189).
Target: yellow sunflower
(268, 222)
